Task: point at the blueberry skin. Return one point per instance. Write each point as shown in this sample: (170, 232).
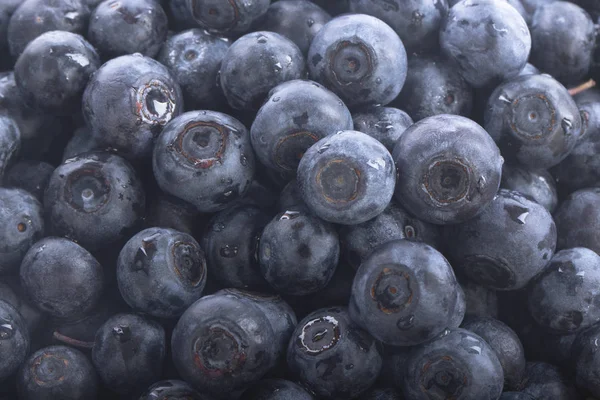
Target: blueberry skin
(128, 101)
(417, 22)
(504, 247)
(385, 124)
(22, 224)
(232, 17)
(529, 69)
(381, 394)
(534, 121)
(290, 198)
(559, 297)
(127, 27)
(32, 176)
(161, 272)
(358, 241)
(331, 356)
(62, 278)
(577, 220)
(298, 20)
(546, 381)
(392, 301)
(585, 360)
(242, 330)
(172, 389)
(57, 372)
(481, 302)
(517, 4)
(360, 58)
(53, 71)
(298, 253)
(7, 8)
(507, 346)
(347, 178)
(295, 116)
(204, 158)
(128, 353)
(14, 340)
(256, 63)
(10, 143)
(81, 142)
(449, 169)
(434, 86)
(538, 185)
(276, 389)
(563, 37)
(489, 41)
(194, 59)
(12, 293)
(34, 17)
(94, 199)
(167, 211)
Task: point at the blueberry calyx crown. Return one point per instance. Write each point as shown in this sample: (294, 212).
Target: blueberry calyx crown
(320, 334)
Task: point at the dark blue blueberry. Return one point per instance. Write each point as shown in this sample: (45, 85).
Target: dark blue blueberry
(94, 199)
(298, 20)
(331, 356)
(504, 247)
(194, 59)
(12, 293)
(516, 396)
(290, 198)
(128, 353)
(448, 169)
(256, 63)
(434, 86)
(298, 253)
(81, 142)
(34, 17)
(577, 220)
(231, 17)
(546, 381)
(204, 158)
(7, 8)
(417, 22)
(161, 272)
(53, 71)
(128, 101)
(62, 278)
(538, 185)
(334, 7)
(10, 143)
(559, 298)
(119, 27)
(481, 302)
(529, 69)
(260, 194)
(517, 4)
(381, 394)
(360, 58)
(57, 372)
(295, 116)
(21, 225)
(457, 364)
(347, 178)
(14, 340)
(488, 39)
(534, 120)
(172, 390)
(276, 389)
(167, 211)
(585, 359)
(385, 124)
(32, 176)
(398, 307)
(358, 241)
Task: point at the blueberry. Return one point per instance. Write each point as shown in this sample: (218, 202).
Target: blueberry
(481, 302)
(10, 143)
(14, 340)
(81, 142)
(563, 37)
(504, 247)
(584, 359)
(382, 394)
(448, 169)
(397, 307)
(161, 272)
(22, 224)
(546, 381)
(358, 241)
(34, 17)
(298, 20)
(172, 389)
(128, 101)
(194, 58)
(534, 120)
(7, 8)
(256, 63)
(276, 389)
(128, 26)
(296, 115)
(385, 124)
(57, 372)
(577, 220)
(360, 58)
(488, 39)
(128, 353)
(347, 178)
(516, 396)
(290, 198)
(417, 22)
(61, 278)
(94, 199)
(204, 158)
(12, 293)
(232, 17)
(434, 86)
(331, 356)
(457, 364)
(517, 4)
(334, 7)
(298, 253)
(54, 69)
(32, 176)
(167, 211)
(538, 185)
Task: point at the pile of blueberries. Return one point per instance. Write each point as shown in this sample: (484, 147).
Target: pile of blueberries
(296, 200)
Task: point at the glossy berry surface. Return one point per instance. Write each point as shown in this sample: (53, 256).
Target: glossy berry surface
(576, 220)
(32, 176)
(172, 389)
(14, 340)
(385, 124)
(10, 143)
(231, 17)
(537, 185)
(276, 389)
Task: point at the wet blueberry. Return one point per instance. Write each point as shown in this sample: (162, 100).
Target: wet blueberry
(32, 176)
(172, 390)
(537, 185)
(577, 220)
(385, 124)
(231, 17)
(10, 143)
(14, 340)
